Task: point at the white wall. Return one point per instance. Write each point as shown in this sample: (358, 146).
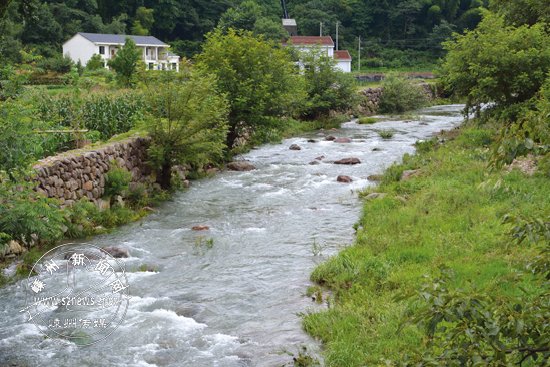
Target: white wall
(79, 48)
(344, 65)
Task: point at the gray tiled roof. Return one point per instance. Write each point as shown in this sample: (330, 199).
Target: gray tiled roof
(121, 38)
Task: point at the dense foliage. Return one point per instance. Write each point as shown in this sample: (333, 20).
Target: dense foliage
(126, 62)
(258, 79)
(394, 33)
(400, 95)
(189, 123)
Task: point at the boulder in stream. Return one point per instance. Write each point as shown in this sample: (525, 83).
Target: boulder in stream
(240, 166)
(348, 161)
(342, 140)
(295, 147)
(344, 179)
(200, 228)
(116, 252)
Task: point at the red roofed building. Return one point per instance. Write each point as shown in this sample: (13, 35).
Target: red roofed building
(343, 60)
(326, 46)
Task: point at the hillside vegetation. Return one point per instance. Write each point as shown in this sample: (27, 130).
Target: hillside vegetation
(395, 33)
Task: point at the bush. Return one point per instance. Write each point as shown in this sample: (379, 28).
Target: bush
(95, 63)
(11, 83)
(117, 181)
(328, 89)
(385, 134)
(59, 64)
(24, 212)
(400, 95)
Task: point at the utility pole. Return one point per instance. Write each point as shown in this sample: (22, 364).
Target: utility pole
(321, 29)
(337, 24)
(359, 61)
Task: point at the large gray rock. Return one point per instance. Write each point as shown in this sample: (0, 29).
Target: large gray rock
(295, 147)
(240, 166)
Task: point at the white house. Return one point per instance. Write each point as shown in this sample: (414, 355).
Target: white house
(343, 60)
(325, 45)
(82, 46)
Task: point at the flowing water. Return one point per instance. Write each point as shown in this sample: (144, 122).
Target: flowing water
(232, 295)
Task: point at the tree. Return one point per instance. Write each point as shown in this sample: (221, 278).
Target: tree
(497, 63)
(96, 62)
(328, 89)
(258, 78)
(143, 21)
(189, 123)
(400, 95)
(125, 63)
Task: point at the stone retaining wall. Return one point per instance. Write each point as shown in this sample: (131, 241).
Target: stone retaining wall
(81, 173)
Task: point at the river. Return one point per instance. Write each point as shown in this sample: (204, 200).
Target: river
(232, 295)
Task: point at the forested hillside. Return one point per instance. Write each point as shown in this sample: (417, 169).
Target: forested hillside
(394, 32)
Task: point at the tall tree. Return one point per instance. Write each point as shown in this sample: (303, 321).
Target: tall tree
(190, 123)
(258, 78)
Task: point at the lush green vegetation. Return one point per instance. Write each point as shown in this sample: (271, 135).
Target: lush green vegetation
(193, 118)
(452, 216)
(400, 95)
(463, 281)
(394, 33)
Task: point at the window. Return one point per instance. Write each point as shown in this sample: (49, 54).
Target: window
(151, 66)
(174, 66)
(102, 50)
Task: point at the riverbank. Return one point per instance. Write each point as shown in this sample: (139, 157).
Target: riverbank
(441, 209)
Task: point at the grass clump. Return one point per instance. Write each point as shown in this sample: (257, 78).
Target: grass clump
(367, 120)
(388, 287)
(386, 134)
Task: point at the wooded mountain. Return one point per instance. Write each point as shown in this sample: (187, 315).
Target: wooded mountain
(392, 31)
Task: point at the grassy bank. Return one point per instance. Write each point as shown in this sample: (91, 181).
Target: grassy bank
(447, 215)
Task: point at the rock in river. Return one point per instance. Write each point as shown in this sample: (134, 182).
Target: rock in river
(348, 161)
(295, 147)
(240, 166)
(344, 178)
(200, 228)
(116, 252)
(330, 138)
(342, 140)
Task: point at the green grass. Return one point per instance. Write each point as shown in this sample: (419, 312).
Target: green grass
(367, 120)
(452, 216)
(385, 134)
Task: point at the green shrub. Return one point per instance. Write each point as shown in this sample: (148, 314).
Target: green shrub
(23, 213)
(117, 181)
(367, 120)
(11, 82)
(386, 134)
(59, 64)
(400, 95)
(95, 63)
(426, 146)
(137, 195)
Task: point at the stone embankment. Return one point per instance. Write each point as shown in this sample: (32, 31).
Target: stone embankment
(81, 173)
